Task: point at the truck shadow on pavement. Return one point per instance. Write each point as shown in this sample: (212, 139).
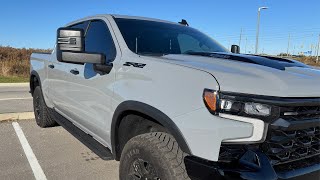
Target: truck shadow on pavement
(101, 151)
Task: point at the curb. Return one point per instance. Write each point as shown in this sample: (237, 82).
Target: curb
(16, 116)
(14, 84)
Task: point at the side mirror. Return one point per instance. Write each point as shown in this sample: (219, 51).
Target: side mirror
(70, 39)
(235, 49)
(70, 47)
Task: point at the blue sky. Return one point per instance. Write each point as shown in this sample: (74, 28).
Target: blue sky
(33, 23)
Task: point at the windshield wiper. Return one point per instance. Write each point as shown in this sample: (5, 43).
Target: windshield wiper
(151, 54)
(198, 53)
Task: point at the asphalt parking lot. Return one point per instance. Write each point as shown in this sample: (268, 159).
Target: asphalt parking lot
(15, 98)
(59, 155)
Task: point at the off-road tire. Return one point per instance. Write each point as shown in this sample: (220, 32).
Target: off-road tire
(158, 149)
(41, 111)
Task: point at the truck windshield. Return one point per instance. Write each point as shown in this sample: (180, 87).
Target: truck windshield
(159, 38)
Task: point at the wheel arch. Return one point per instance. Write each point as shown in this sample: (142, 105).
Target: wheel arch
(145, 109)
(33, 84)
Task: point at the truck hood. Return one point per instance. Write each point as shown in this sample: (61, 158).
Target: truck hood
(258, 75)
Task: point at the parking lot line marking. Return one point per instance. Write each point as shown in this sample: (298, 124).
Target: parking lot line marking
(8, 99)
(35, 166)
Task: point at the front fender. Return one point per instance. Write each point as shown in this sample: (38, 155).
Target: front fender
(149, 111)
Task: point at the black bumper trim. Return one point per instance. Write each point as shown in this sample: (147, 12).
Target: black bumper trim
(298, 172)
(253, 165)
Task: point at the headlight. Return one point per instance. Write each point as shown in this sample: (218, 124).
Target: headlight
(257, 109)
(241, 106)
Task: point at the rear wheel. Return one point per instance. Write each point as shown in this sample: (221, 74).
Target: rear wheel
(41, 111)
(152, 156)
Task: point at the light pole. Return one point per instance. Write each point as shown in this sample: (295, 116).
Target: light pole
(258, 28)
(317, 60)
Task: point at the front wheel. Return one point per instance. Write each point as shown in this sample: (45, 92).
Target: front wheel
(152, 156)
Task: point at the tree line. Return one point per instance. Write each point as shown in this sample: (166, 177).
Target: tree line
(15, 61)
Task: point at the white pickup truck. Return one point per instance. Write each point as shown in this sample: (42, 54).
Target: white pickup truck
(171, 103)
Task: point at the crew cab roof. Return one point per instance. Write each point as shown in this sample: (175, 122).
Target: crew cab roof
(119, 16)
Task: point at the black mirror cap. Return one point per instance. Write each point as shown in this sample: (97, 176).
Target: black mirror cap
(69, 40)
(235, 49)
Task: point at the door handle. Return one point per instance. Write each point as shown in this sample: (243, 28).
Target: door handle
(74, 71)
(51, 66)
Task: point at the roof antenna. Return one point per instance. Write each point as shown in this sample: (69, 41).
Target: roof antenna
(184, 22)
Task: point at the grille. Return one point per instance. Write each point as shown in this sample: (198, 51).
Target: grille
(292, 142)
(288, 146)
(300, 113)
(296, 146)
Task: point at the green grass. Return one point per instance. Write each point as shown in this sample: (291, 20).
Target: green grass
(13, 79)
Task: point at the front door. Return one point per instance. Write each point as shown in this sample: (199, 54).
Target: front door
(89, 93)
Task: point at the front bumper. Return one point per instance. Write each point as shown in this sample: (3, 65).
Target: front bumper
(253, 165)
(291, 148)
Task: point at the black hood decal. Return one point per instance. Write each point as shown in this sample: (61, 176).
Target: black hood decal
(272, 62)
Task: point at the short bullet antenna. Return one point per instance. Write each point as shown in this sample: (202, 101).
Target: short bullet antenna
(184, 22)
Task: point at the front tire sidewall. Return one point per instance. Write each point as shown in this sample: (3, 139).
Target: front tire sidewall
(38, 106)
(141, 153)
(41, 111)
(149, 148)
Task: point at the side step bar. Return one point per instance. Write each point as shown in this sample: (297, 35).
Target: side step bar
(96, 147)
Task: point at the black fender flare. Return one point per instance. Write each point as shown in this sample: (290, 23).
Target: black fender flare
(34, 73)
(150, 111)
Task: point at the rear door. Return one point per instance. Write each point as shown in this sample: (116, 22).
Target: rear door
(89, 93)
